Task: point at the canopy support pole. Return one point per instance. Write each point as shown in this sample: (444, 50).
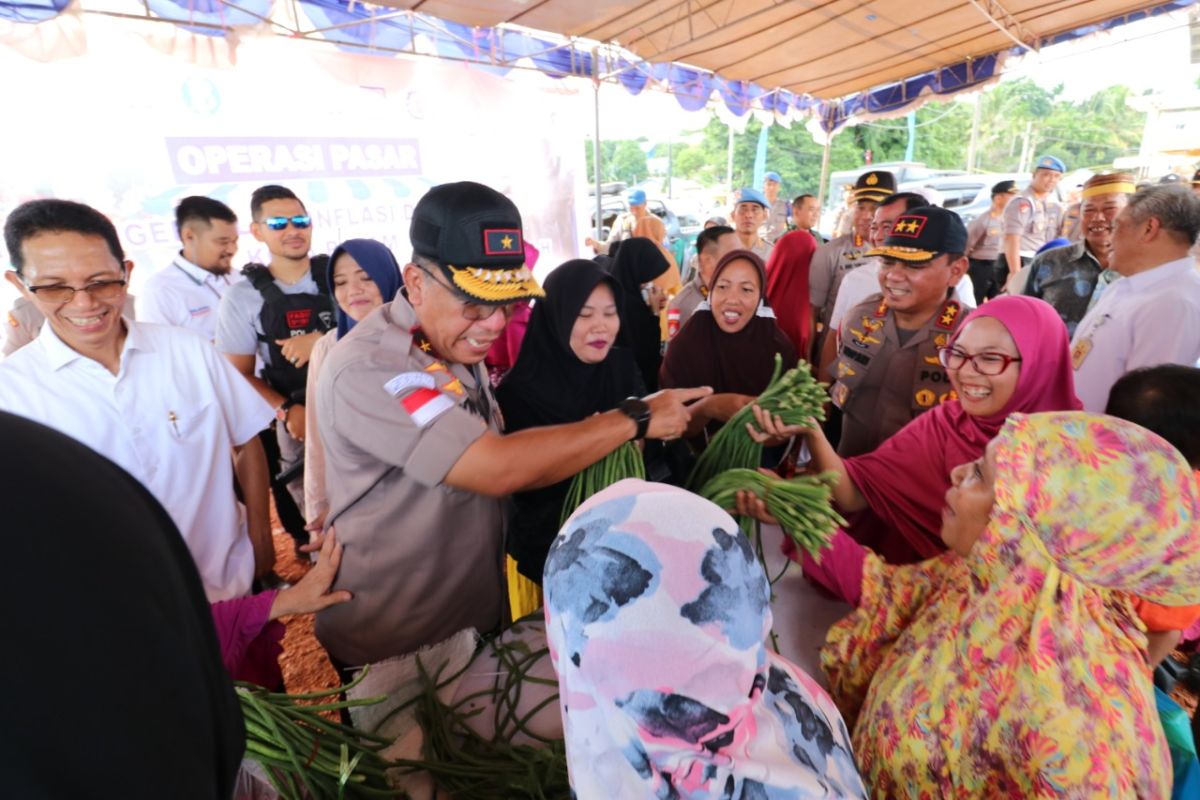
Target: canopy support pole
(824, 171)
(596, 155)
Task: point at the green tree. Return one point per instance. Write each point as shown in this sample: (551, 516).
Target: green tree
(621, 160)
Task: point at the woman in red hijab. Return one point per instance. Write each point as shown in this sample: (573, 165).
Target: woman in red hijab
(1010, 355)
(787, 287)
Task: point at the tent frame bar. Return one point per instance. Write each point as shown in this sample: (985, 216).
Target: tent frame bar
(1007, 24)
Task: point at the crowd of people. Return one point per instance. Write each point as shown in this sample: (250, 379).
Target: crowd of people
(1012, 429)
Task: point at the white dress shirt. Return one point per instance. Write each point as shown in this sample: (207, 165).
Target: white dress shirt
(861, 283)
(169, 417)
(185, 296)
(1143, 320)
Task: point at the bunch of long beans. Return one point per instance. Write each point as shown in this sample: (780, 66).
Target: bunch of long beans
(307, 756)
(794, 396)
(468, 765)
(801, 504)
(624, 462)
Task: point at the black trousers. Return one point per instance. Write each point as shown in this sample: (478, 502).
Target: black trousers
(983, 278)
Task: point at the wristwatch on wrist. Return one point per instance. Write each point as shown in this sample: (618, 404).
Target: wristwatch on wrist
(637, 410)
(282, 411)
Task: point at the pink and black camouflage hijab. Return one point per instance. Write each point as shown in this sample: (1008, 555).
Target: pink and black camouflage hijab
(656, 612)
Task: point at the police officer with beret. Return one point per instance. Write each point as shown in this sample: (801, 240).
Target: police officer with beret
(887, 369)
(416, 466)
(1031, 219)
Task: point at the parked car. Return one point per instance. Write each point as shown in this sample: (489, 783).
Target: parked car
(983, 198)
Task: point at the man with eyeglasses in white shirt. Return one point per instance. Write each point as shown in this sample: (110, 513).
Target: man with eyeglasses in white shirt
(158, 401)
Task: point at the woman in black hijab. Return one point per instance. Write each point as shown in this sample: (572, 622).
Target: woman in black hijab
(730, 342)
(116, 687)
(568, 369)
(638, 262)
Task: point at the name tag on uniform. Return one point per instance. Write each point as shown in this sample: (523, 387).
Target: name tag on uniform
(199, 311)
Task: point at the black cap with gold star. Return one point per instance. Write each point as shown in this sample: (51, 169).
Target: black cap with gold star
(874, 186)
(474, 234)
(922, 234)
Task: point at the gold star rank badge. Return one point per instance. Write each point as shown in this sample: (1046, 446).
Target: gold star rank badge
(502, 241)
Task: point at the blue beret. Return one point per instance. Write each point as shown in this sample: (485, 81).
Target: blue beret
(636, 198)
(1050, 162)
(773, 176)
(749, 195)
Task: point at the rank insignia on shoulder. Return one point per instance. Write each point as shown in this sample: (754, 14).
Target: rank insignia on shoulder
(949, 314)
(436, 366)
(13, 320)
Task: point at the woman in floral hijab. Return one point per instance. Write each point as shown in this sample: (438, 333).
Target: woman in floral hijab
(1014, 665)
(656, 610)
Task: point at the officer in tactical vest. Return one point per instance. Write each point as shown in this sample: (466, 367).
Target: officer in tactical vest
(276, 315)
(887, 369)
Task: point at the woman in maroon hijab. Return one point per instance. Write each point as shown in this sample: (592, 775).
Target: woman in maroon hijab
(787, 286)
(729, 343)
(1010, 355)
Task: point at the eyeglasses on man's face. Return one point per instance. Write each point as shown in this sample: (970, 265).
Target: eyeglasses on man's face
(475, 312)
(300, 221)
(61, 293)
(985, 363)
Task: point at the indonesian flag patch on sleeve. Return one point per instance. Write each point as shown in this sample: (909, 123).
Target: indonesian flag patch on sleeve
(425, 405)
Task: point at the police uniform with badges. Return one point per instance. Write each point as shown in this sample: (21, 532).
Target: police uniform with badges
(886, 376)
(1036, 221)
(424, 560)
(834, 259)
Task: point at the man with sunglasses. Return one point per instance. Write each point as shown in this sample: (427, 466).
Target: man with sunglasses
(274, 318)
(887, 368)
(158, 401)
(416, 466)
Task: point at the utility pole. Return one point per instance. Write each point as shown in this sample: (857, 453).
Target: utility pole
(973, 144)
(729, 164)
(1026, 155)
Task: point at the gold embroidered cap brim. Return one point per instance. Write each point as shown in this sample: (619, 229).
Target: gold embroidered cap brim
(873, 193)
(903, 253)
(495, 285)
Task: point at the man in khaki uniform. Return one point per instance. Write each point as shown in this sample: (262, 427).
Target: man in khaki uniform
(1031, 219)
(416, 465)
(778, 210)
(887, 369)
(834, 259)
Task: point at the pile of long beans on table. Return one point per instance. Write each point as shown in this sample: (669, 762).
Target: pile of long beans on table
(473, 767)
(795, 396)
(307, 756)
(624, 462)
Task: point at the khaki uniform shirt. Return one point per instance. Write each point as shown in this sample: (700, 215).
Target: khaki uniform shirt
(777, 220)
(690, 296)
(829, 265)
(883, 384)
(1035, 221)
(423, 560)
(984, 236)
